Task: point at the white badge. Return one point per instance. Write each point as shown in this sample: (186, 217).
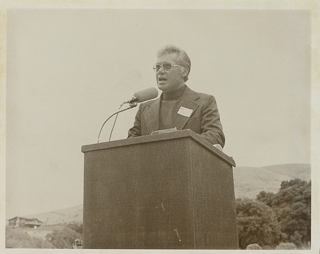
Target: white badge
(185, 111)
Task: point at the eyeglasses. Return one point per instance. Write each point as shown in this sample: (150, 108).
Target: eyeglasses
(166, 66)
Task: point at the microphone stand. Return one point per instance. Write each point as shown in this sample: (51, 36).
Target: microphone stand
(131, 105)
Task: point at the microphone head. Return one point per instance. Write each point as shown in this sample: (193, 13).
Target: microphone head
(146, 94)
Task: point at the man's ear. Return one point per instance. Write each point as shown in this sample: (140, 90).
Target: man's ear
(184, 71)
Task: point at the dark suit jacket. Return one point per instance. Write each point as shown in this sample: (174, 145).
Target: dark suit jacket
(204, 119)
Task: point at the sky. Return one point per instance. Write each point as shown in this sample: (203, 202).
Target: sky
(68, 70)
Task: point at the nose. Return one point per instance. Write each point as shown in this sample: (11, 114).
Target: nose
(161, 70)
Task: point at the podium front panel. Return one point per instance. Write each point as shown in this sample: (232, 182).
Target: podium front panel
(166, 194)
(138, 197)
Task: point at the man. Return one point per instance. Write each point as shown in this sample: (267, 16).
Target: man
(178, 106)
(77, 244)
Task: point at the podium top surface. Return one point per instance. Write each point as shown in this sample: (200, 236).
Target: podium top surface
(160, 137)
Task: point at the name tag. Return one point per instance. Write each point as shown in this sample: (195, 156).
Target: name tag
(185, 111)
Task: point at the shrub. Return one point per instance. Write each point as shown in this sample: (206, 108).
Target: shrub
(253, 246)
(63, 239)
(17, 238)
(77, 227)
(286, 246)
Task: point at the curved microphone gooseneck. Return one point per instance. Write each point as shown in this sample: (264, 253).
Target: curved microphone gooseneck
(141, 96)
(131, 105)
(114, 122)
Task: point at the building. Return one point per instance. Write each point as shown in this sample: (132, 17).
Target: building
(25, 222)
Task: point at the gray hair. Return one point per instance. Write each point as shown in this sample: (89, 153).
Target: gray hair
(182, 57)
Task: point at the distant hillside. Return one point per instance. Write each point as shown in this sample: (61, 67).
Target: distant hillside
(70, 215)
(248, 181)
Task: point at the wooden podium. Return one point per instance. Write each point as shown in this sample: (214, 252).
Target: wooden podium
(165, 191)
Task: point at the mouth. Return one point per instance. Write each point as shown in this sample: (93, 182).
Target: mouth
(162, 79)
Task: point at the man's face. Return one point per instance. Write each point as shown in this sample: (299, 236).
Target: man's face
(169, 80)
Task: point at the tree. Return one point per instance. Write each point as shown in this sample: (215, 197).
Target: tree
(257, 223)
(266, 197)
(292, 205)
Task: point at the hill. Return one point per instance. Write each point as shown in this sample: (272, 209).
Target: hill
(69, 215)
(248, 182)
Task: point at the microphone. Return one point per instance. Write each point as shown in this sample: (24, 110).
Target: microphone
(143, 95)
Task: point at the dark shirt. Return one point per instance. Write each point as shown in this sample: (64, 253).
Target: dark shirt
(167, 113)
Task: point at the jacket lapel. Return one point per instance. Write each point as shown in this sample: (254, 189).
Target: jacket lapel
(151, 116)
(187, 100)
